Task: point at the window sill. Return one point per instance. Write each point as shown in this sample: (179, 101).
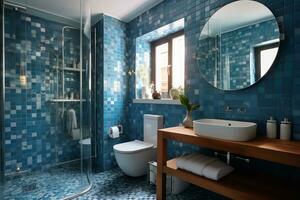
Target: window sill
(157, 101)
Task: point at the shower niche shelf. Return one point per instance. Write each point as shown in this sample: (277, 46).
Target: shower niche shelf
(70, 69)
(66, 100)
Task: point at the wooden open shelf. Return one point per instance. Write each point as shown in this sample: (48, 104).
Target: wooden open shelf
(240, 185)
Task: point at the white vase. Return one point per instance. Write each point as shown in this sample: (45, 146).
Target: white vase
(188, 120)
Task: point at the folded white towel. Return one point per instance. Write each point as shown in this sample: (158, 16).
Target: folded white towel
(202, 165)
(216, 170)
(194, 163)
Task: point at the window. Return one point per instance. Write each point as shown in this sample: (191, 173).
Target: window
(168, 63)
(264, 57)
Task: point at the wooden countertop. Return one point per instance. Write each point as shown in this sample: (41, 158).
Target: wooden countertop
(275, 150)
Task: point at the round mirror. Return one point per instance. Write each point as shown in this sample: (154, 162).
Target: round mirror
(238, 45)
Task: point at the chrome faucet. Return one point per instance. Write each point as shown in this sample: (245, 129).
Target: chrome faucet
(229, 156)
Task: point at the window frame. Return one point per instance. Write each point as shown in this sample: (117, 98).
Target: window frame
(168, 39)
(257, 51)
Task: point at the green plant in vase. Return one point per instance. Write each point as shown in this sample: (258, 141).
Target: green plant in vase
(190, 107)
(174, 93)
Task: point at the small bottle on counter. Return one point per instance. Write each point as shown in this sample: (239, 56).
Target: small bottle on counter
(285, 129)
(271, 128)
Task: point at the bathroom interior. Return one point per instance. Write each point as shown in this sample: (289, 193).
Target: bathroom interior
(153, 99)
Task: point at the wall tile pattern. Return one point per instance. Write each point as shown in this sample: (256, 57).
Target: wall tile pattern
(234, 51)
(34, 131)
(111, 83)
(272, 96)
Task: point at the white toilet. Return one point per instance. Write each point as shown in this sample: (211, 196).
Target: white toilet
(133, 157)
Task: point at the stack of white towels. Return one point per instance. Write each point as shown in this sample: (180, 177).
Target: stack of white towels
(202, 165)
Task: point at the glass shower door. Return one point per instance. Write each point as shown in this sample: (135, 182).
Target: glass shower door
(47, 102)
(86, 84)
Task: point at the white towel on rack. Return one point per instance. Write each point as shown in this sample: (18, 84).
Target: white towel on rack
(71, 122)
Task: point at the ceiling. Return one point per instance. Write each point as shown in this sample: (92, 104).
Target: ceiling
(124, 10)
(236, 15)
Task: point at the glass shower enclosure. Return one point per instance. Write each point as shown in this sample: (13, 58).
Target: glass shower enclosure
(45, 121)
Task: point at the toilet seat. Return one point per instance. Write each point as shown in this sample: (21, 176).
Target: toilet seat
(132, 147)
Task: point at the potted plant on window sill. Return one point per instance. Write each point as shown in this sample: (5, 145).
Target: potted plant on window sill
(190, 107)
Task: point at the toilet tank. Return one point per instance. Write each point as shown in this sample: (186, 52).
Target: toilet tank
(151, 124)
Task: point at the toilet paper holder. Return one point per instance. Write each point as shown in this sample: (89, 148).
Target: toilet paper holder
(120, 127)
(115, 131)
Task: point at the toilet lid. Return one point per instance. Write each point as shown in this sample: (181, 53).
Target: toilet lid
(132, 147)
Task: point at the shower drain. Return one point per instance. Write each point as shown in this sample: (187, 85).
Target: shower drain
(29, 187)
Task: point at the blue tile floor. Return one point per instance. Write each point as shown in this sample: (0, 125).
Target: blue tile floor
(60, 182)
(114, 185)
(54, 183)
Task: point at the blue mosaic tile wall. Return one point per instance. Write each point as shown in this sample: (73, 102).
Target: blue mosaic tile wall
(207, 55)
(111, 83)
(97, 92)
(34, 131)
(272, 96)
(294, 58)
(238, 47)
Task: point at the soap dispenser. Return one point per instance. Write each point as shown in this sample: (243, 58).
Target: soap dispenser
(285, 129)
(271, 128)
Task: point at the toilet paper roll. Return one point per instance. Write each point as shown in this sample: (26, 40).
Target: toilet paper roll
(114, 132)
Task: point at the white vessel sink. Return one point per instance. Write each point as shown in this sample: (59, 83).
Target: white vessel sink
(225, 129)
